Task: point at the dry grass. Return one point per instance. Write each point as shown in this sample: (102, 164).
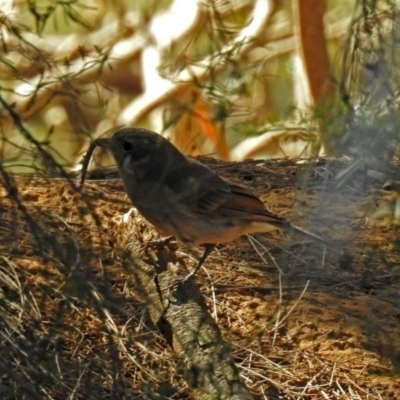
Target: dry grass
(72, 327)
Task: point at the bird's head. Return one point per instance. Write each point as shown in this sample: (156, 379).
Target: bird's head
(138, 153)
(137, 149)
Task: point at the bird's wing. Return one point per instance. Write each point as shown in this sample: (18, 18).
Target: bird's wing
(244, 204)
(197, 188)
(205, 193)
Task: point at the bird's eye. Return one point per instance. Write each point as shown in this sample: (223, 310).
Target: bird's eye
(127, 146)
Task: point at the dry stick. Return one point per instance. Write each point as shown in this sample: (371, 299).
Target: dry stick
(182, 317)
(103, 143)
(277, 319)
(253, 242)
(16, 118)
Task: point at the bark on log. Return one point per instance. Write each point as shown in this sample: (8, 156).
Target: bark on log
(181, 315)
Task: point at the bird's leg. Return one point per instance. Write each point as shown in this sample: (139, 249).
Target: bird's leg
(208, 248)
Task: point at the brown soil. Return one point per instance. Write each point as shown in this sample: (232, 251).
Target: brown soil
(326, 327)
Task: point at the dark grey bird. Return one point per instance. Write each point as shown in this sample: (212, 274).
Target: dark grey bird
(184, 198)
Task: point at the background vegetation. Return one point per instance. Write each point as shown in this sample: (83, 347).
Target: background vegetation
(238, 79)
(235, 79)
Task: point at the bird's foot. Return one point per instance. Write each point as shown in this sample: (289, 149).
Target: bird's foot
(183, 281)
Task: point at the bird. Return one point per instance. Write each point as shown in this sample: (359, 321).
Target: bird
(183, 198)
